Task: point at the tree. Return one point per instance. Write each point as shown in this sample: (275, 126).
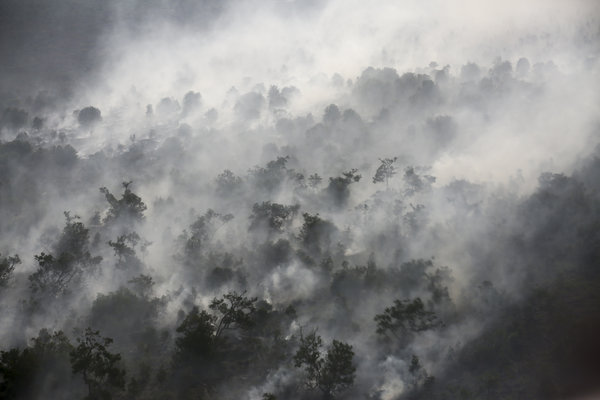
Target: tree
(314, 180)
(197, 340)
(44, 363)
(227, 183)
(53, 275)
(125, 252)
(415, 181)
(201, 232)
(56, 272)
(272, 175)
(142, 285)
(272, 215)
(202, 332)
(420, 379)
(89, 116)
(404, 318)
(331, 115)
(75, 240)
(332, 372)
(191, 102)
(125, 317)
(315, 233)
(338, 186)
(129, 208)
(235, 311)
(98, 366)
(7, 266)
(385, 171)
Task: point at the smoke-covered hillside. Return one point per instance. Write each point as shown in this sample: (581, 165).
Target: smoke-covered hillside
(299, 200)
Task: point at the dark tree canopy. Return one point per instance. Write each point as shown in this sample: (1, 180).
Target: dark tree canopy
(99, 367)
(385, 171)
(124, 249)
(406, 317)
(197, 336)
(43, 364)
(201, 233)
(227, 183)
(338, 188)
(7, 266)
(202, 334)
(72, 257)
(415, 181)
(129, 208)
(234, 311)
(332, 372)
(272, 176)
(88, 116)
(315, 233)
(274, 216)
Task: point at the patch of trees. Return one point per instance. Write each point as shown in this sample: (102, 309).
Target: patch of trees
(57, 272)
(338, 188)
(332, 372)
(48, 367)
(128, 209)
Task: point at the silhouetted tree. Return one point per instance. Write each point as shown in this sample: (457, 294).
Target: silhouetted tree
(272, 215)
(227, 183)
(271, 176)
(124, 248)
(191, 102)
(415, 181)
(332, 372)
(201, 233)
(142, 285)
(129, 208)
(385, 171)
(88, 116)
(315, 233)
(197, 336)
(44, 364)
(202, 333)
(404, 318)
(314, 180)
(338, 186)
(55, 273)
(234, 311)
(7, 266)
(99, 367)
(331, 115)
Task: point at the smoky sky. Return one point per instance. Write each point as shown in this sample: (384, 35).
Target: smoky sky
(64, 44)
(56, 45)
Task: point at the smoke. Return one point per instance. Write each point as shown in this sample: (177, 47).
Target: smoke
(253, 133)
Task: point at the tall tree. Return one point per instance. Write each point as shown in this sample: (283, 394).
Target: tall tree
(385, 171)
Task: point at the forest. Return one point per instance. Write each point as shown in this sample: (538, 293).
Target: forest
(402, 233)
